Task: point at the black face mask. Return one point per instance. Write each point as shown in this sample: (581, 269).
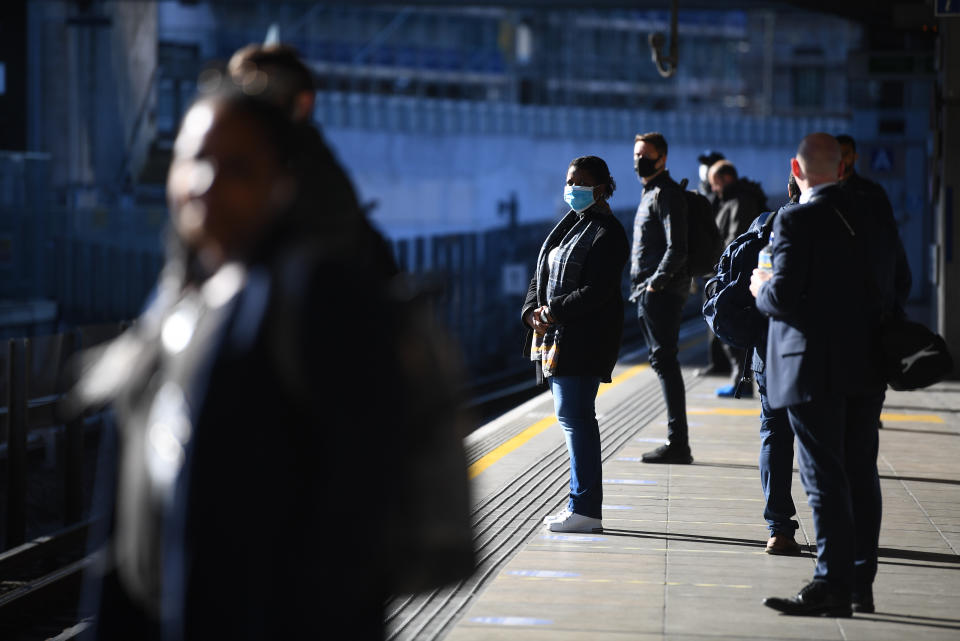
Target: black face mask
(645, 166)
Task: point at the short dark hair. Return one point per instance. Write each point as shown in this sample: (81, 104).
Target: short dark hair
(793, 189)
(654, 138)
(724, 168)
(709, 157)
(846, 139)
(286, 74)
(598, 170)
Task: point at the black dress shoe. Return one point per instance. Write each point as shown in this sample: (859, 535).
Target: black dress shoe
(862, 601)
(669, 453)
(814, 600)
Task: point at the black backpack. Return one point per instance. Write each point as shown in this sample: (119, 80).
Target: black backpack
(704, 242)
(730, 309)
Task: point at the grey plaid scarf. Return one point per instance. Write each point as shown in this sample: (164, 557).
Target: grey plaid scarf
(559, 274)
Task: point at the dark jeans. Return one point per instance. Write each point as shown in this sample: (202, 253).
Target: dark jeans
(659, 317)
(736, 355)
(717, 357)
(837, 442)
(574, 399)
(776, 464)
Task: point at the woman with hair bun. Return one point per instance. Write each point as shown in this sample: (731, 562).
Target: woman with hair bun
(574, 315)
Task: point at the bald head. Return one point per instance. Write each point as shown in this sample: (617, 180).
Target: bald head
(818, 161)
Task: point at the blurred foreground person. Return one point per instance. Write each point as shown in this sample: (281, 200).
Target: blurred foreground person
(574, 315)
(241, 408)
(277, 74)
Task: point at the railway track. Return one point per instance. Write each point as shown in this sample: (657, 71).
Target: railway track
(40, 585)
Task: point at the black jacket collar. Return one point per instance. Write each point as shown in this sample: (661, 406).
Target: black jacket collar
(661, 180)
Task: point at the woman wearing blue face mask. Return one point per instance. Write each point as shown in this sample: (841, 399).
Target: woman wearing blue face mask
(574, 315)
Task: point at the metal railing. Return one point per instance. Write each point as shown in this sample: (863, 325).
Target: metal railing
(433, 116)
(32, 385)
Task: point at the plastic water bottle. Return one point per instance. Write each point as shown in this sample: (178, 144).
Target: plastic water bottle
(765, 258)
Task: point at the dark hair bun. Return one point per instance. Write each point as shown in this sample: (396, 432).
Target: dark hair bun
(598, 170)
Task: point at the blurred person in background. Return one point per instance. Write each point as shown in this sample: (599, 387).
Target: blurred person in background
(874, 197)
(718, 363)
(707, 159)
(740, 202)
(574, 318)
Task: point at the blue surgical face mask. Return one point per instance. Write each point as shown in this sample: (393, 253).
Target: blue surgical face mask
(579, 198)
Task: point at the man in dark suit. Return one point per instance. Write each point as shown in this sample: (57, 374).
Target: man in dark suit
(833, 278)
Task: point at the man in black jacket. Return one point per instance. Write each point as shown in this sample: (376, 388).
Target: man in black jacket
(854, 181)
(741, 201)
(660, 284)
(874, 196)
(833, 277)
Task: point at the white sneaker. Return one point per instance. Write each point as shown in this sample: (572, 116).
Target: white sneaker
(576, 523)
(559, 516)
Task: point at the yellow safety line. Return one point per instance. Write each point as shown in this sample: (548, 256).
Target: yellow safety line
(911, 418)
(540, 426)
(890, 417)
(725, 411)
(499, 452)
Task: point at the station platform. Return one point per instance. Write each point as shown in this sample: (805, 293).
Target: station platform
(682, 554)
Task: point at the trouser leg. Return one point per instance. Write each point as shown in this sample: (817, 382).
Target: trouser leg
(862, 448)
(776, 465)
(820, 430)
(659, 315)
(574, 399)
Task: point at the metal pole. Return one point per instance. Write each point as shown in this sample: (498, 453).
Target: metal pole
(17, 350)
(72, 446)
(948, 236)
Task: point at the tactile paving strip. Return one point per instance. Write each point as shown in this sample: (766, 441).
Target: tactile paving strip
(508, 517)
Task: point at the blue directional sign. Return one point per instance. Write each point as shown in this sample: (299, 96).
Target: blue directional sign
(881, 158)
(948, 8)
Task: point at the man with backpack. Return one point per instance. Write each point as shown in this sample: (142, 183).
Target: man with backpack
(660, 278)
(730, 310)
(741, 201)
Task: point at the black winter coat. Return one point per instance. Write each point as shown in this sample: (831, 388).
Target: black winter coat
(740, 205)
(592, 314)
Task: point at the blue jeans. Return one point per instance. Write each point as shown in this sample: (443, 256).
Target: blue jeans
(574, 399)
(837, 444)
(776, 464)
(659, 315)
